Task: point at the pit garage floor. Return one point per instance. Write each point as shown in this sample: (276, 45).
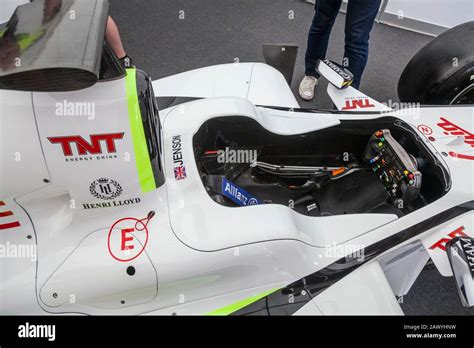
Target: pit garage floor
(218, 31)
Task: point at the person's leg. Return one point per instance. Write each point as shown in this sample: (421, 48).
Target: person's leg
(360, 18)
(318, 38)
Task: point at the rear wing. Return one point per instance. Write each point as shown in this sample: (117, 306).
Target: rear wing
(53, 45)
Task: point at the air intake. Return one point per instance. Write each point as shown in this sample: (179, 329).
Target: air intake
(51, 46)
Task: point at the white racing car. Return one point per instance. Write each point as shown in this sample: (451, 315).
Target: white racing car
(211, 191)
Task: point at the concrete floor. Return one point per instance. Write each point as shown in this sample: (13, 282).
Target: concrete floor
(218, 31)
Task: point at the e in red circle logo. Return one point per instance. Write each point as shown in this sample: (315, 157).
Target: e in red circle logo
(125, 238)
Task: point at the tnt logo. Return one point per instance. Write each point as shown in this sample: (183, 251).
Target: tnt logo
(83, 147)
(441, 244)
(358, 104)
(124, 242)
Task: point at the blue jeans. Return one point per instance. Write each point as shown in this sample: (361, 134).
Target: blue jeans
(360, 17)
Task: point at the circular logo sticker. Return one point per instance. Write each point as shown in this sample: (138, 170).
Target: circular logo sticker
(123, 242)
(426, 130)
(252, 201)
(106, 189)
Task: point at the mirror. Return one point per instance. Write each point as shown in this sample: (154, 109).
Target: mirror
(460, 252)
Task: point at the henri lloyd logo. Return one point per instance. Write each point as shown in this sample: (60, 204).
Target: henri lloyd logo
(76, 148)
(179, 168)
(467, 245)
(106, 189)
(111, 204)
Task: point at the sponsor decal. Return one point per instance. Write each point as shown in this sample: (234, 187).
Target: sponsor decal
(426, 130)
(461, 156)
(100, 146)
(178, 162)
(467, 245)
(127, 230)
(6, 215)
(441, 244)
(238, 194)
(452, 129)
(357, 103)
(341, 72)
(106, 189)
(9, 225)
(112, 204)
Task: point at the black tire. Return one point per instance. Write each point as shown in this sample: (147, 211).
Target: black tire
(432, 76)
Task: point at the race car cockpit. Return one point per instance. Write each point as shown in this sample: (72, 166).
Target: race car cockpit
(359, 166)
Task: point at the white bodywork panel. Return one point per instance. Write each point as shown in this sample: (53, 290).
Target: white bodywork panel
(206, 306)
(18, 263)
(257, 82)
(77, 172)
(23, 168)
(365, 290)
(309, 309)
(435, 242)
(286, 123)
(76, 274)
(403, 266)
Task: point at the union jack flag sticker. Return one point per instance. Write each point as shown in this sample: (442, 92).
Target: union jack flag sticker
(180, 173)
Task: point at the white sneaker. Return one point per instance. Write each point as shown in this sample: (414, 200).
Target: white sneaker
(307, 87)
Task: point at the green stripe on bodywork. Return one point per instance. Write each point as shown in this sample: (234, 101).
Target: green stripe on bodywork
(241, 304)
(142, 157)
